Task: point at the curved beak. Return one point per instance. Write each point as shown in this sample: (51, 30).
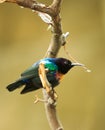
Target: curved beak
(77, 64)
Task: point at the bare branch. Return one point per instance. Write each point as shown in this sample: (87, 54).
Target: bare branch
(51, 113)
(56, 43)
(56, 4)
(32, 4)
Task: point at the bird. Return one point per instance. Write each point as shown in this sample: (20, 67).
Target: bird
(55, 69)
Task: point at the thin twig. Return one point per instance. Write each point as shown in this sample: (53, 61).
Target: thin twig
(38, 99)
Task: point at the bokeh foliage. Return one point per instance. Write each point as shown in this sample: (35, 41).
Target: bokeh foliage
(24, 40)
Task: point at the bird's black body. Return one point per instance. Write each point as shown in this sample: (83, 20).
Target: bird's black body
(30, 78)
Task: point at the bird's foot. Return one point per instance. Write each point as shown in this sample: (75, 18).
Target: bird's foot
(52, 97)
(53, 94)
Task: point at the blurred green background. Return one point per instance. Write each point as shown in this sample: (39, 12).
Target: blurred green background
(24, 39)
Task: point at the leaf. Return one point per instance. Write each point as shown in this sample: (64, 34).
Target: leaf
(45, 17)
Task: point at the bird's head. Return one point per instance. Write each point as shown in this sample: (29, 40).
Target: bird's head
(64, 65)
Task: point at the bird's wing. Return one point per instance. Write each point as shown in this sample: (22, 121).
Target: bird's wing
(32, 71)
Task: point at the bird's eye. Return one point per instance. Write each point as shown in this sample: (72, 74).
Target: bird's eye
(65, 62)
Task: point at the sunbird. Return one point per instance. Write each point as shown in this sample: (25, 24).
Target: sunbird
(55, 69)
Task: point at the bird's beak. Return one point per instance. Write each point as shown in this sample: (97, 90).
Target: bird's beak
(77, 64)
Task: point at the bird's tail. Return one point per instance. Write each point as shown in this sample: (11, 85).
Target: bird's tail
(15, 85)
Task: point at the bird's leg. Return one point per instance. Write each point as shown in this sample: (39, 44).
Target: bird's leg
(46, 85)
(53, 97)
